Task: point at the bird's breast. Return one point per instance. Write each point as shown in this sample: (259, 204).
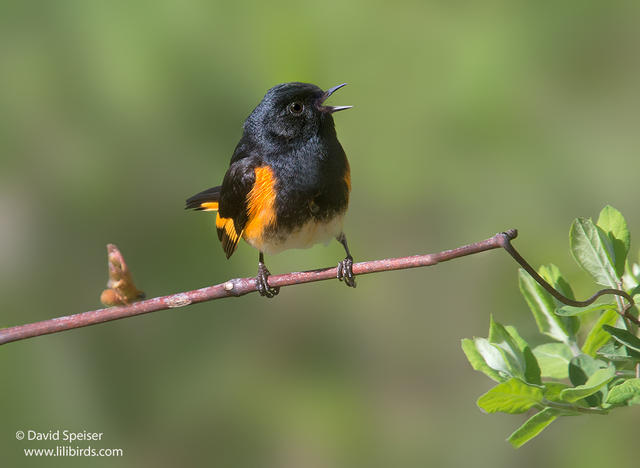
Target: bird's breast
(296, 203)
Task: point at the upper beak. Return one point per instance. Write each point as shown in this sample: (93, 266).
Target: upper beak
(325, 96)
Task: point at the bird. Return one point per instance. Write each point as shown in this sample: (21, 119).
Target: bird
(288, 181)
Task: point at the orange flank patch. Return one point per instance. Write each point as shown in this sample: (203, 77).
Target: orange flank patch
(347, 178)
(209, 206)
(260, 206)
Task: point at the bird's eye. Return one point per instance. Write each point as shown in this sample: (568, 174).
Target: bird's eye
(296, 108)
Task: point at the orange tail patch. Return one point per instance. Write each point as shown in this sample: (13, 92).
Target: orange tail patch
(209, 206)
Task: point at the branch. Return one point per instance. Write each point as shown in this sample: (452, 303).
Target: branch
(238, 287)
(241, 286)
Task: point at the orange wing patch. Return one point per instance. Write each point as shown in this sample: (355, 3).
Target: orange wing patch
(209, 206)
(260, 206)
(227, 234)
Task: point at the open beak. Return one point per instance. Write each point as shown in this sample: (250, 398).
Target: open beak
(330, 109)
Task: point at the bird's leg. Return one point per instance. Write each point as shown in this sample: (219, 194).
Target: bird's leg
(261, 280)
(345, 267)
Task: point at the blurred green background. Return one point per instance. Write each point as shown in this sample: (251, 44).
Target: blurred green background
(470, 118)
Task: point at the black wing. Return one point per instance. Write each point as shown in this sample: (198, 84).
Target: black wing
(232, 211)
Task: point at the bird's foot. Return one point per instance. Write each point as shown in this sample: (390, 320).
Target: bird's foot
(262, 282)
(345, 272)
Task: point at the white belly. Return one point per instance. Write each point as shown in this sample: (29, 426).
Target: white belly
(309, 234)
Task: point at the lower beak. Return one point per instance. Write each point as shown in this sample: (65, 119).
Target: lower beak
(330, 109)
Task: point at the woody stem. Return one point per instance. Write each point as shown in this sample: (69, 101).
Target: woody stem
(241, 286)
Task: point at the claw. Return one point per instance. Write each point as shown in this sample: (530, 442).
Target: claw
(345, 272)
(262, 284)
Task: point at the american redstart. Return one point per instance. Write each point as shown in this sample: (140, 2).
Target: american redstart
(288, 181)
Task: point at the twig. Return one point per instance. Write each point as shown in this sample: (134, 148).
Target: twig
(624, 313)
(241, 286)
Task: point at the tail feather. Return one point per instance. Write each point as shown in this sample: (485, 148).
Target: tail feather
(206, 200)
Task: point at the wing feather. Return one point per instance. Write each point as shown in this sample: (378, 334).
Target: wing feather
(232, 210)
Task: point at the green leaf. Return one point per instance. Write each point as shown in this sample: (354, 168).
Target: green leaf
(532, 369)
(542, 306)
(614, 225)
(635, 291)
(581, 368)
(477, 361)
(533, 426)
(552, 275)
(593, 385)
(630, 278)
(567, 311)
(512, 396)
(593, 251)
(623, 336)
(494, 357)
(553, 359)
(552, 390)
(500, 337)
(504, 355)
(614, 351)
(598, 337)
(626, 392)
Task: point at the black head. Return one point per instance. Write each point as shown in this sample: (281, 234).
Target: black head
(293, 112)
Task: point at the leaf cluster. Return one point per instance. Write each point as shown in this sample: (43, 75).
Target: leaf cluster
(590, 363)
